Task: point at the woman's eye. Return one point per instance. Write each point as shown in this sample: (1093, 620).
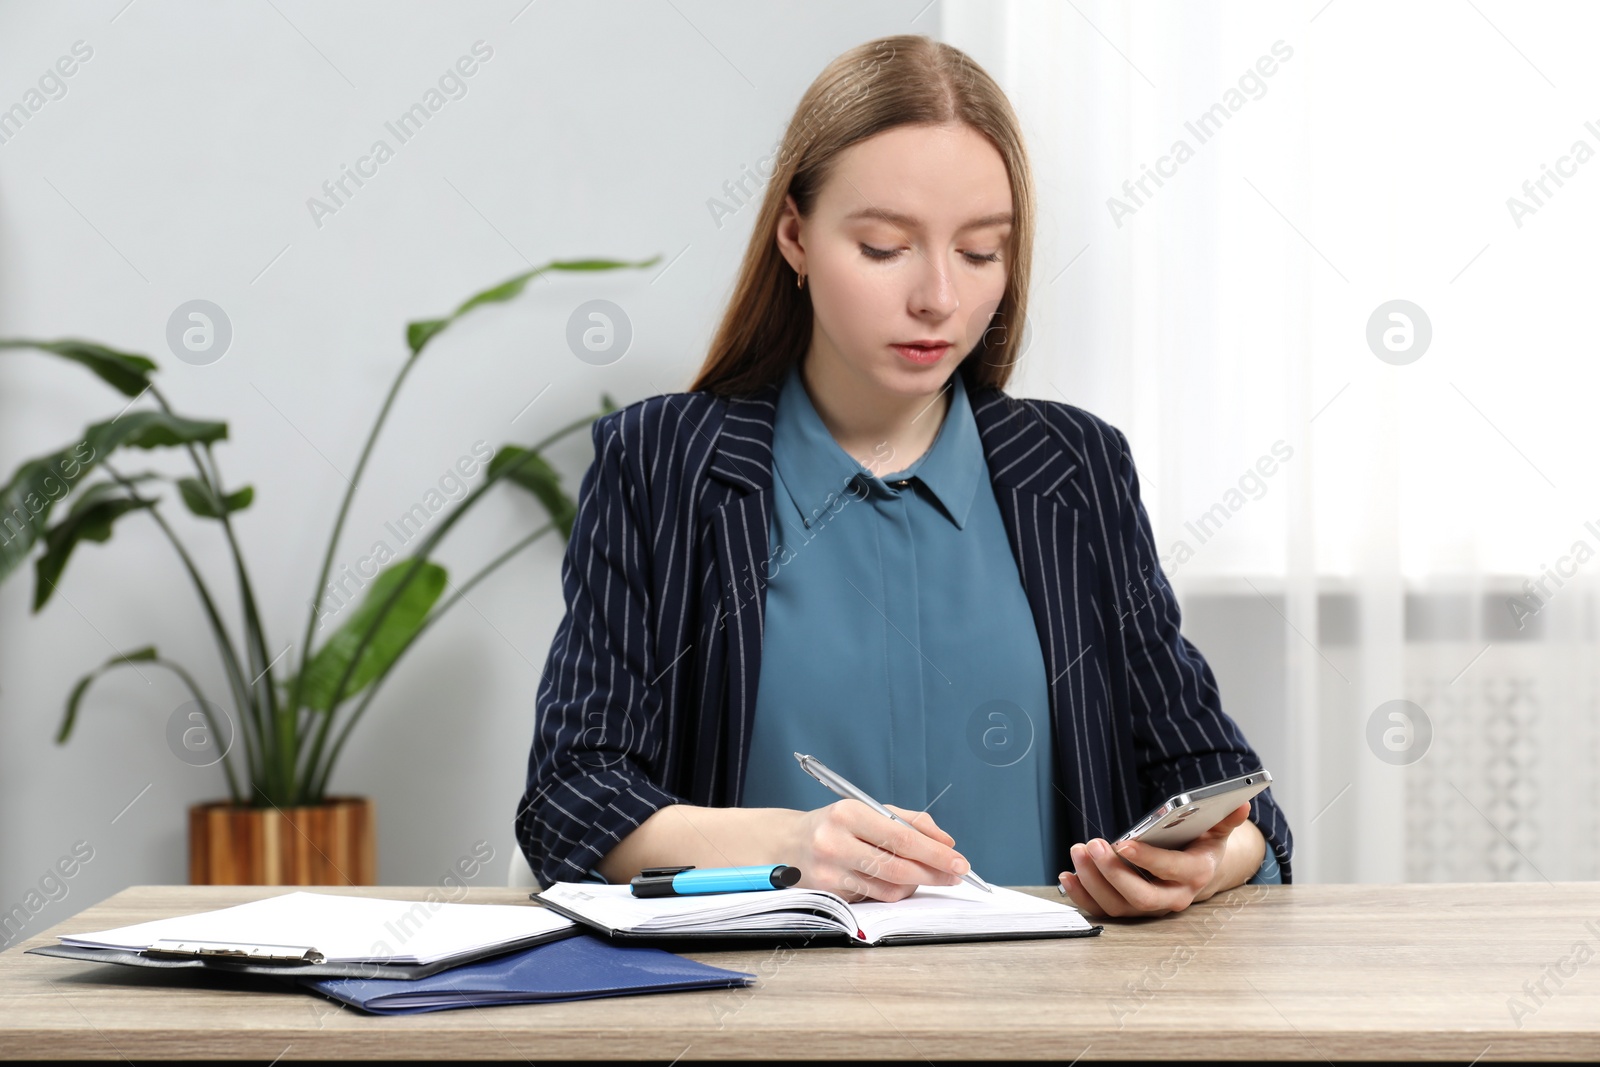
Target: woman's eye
(889, 253)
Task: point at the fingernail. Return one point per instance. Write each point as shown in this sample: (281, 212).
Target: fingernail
(1077, 854)
(1098, 848)
(960, 866)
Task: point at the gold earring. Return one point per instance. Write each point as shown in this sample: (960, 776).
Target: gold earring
(800, 280)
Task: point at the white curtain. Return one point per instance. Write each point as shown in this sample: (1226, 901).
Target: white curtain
(1353, 353)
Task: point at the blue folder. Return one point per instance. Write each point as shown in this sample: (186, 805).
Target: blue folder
(575, 968)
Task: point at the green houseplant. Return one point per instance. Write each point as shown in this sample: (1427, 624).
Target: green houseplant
(294, 720)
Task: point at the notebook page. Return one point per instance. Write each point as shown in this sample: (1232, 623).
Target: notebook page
(964, 909)
(344, 928)
(616, 908)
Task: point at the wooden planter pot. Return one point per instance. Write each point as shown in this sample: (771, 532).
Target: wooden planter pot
(334, 843)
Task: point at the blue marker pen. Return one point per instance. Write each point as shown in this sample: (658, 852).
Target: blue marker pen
(680, 881)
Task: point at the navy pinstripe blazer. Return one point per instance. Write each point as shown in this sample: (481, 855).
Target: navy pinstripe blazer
(649, 690)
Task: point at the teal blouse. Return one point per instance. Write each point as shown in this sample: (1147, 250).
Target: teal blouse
(899, 646)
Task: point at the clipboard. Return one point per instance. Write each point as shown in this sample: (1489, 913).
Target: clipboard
(320, 935)
(282, 961)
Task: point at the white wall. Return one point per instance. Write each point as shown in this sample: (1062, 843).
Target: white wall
(178, 166)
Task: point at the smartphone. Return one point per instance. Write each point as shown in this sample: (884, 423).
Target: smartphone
(1185, 816)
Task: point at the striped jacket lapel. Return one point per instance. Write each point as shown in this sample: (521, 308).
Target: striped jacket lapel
(1040, 484)
(742, 462)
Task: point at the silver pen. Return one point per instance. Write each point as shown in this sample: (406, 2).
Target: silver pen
(815, 768)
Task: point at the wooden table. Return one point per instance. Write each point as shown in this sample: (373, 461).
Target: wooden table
(1315, 972)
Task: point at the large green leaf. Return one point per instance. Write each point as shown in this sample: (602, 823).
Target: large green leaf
(200, 499)
(90, 519)
(143, 655)
(398, 627)
(39, 484)
(421, 332)
(153, 429)
(529, 470)
(125, 372)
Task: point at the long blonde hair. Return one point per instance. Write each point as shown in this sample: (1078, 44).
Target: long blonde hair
(905, 80)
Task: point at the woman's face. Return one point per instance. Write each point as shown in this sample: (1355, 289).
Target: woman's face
(907, 243)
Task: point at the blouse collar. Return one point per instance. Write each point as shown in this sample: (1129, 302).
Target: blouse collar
(816, 470)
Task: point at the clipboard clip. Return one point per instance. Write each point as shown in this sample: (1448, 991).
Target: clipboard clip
(233, 950)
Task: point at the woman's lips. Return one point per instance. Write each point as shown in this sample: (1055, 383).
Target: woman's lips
(922, 355)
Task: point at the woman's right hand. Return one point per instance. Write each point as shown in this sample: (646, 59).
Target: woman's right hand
(849, 849)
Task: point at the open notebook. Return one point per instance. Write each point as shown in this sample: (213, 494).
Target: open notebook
(932, 913)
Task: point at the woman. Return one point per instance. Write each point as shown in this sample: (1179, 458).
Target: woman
(846, 539)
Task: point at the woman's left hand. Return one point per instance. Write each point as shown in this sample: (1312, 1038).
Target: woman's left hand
(1105, 886)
